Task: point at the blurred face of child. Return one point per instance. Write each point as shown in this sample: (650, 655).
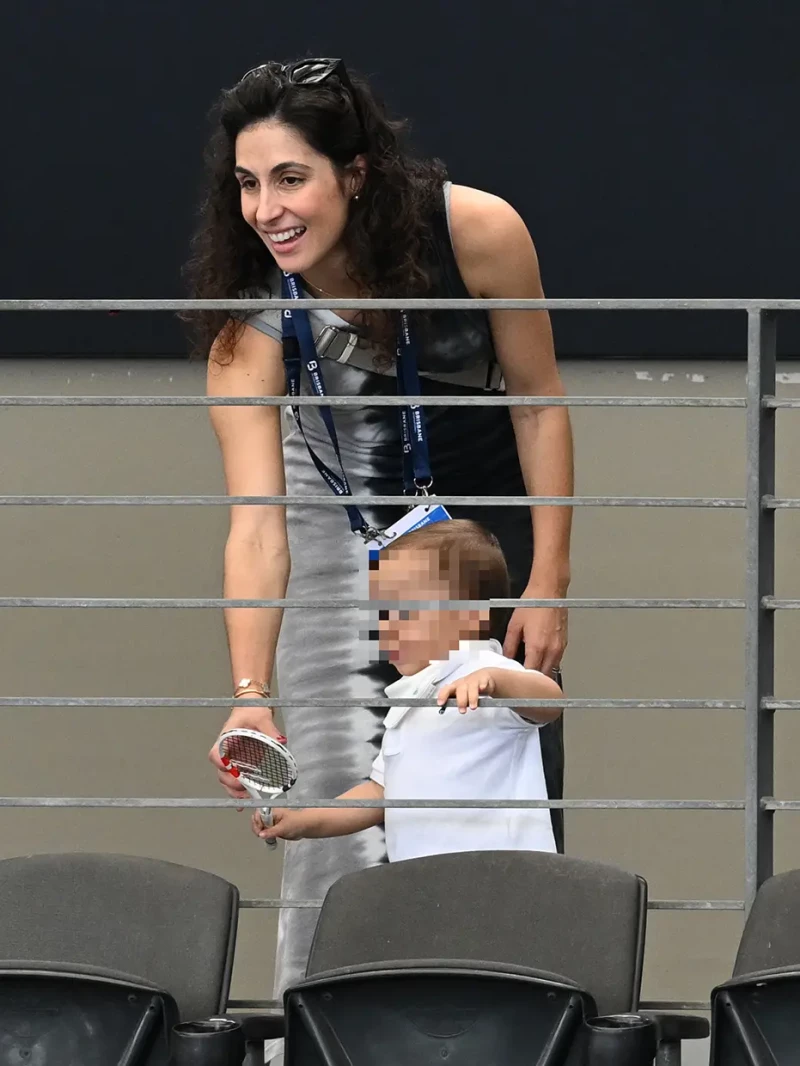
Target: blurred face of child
(411, 639)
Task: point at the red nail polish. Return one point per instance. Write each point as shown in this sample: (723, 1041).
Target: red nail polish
(281, 740)
(225, 760)
(233, 771)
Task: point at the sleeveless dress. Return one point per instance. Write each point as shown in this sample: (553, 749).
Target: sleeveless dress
(327, 652)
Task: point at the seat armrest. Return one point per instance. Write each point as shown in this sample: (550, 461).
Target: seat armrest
(674, 1027)
(268, 1025)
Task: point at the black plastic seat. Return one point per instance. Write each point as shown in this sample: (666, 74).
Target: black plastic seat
(54, 1015)
(427, 1015)
(556, 937)
(170, 928)
(755, 1017)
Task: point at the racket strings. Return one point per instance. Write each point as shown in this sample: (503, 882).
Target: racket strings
(264, 765)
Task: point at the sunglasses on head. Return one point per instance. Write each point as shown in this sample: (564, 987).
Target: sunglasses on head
(313, 72)
(307, 71)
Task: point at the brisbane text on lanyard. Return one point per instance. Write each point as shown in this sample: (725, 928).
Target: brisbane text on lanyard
(299, 349)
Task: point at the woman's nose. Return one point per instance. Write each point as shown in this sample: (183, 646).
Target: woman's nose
(269, 209)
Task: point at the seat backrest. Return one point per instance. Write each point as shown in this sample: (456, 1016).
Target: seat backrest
(583, 920)
(62, 1015)
(754, 1019)
(397, 1016)
(171, 925)
(771, 936)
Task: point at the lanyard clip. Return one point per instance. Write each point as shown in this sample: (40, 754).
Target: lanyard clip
(423, 486)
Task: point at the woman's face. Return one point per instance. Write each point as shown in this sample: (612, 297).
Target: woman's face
(291, 195)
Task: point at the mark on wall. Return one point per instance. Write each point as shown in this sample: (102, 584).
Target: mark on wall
(698, 379)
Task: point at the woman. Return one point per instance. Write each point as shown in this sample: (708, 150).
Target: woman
(308, 176)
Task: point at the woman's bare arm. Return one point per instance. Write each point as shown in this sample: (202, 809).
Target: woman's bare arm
(497, 258)
(256, 563)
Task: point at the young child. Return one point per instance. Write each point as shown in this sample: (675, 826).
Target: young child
(455, 752)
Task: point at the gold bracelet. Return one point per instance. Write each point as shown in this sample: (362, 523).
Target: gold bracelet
(261, 688)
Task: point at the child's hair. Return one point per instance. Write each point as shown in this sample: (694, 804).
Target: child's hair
(469, 557)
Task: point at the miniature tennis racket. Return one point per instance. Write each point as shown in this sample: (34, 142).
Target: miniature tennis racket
(260, 764)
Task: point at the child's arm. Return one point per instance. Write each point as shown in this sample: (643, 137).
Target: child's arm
(323, 821)
(508, 685)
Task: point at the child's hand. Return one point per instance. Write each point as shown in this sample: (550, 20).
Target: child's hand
(467, 690)
(286, 825)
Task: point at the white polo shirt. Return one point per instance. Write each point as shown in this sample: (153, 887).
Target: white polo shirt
(488, 753)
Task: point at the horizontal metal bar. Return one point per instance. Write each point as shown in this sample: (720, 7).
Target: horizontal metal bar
(647, 1004)
(374, 501)
(776, 402)
(345, 702)
(171, 802)
(279, 904)
(775, 604)
(370, 605)
(780, 705)
(768, 803)
(675, 1005)
(417, 304)
(476, 400)
(696, 905)
(653, 904)
(272, 1005)
(777, 503)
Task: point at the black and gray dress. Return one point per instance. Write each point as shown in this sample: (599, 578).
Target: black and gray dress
(326, 652)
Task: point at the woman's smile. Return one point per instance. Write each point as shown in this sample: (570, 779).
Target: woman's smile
(284, 242)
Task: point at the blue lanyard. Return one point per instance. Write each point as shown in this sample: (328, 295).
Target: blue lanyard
(299, 349)
(417, 478)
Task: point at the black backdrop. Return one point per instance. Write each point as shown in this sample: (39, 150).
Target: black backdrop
(651, 147)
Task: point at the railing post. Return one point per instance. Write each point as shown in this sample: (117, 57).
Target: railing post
(760, 581)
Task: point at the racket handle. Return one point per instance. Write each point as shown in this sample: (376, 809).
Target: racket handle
(266, 818)
(266, 815)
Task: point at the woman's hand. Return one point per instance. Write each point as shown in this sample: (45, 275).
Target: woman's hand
(543, 630)
(259, 718)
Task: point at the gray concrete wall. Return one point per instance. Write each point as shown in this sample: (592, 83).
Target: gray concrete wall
(177, 551)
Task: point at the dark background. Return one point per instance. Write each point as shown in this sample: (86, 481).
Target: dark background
(651, 147)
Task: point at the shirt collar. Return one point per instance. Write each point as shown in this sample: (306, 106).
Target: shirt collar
(467, 649)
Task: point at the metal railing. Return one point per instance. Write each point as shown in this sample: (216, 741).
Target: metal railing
(759, 602)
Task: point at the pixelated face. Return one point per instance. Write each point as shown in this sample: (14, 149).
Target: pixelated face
(412, 638)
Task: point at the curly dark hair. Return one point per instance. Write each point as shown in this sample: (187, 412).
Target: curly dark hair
(388, 230)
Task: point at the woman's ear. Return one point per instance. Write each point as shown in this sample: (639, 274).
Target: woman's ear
(358, 175)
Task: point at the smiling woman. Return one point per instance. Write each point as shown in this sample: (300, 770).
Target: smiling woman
(295, 150)
(287, 177)
(296, 204)
(310, 184)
